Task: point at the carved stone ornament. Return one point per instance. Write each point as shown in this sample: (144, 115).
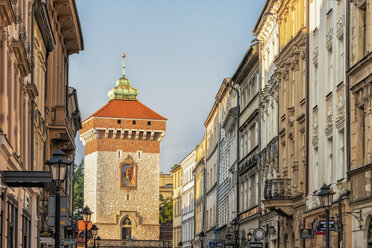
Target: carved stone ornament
(315, 55)
(340, 26)
(340, 116)
(315, 138)
(329, 37)
(329, 121)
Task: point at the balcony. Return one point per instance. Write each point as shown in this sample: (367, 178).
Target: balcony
(278, 189)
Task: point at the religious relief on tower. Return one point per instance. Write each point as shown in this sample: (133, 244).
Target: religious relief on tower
(128, 173)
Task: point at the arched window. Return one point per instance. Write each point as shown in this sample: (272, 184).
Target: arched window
(126, 229)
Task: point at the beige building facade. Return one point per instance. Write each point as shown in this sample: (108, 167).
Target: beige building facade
(360, 108)
(34, 122)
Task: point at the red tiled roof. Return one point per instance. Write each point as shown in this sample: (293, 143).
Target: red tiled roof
(127, 109)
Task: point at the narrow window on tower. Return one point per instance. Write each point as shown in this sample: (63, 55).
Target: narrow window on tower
(127, 196)
(134, 122)
(149, 123)
(139, 154)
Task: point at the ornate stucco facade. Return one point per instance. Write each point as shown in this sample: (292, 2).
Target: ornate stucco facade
(121, 180)
(267, 32)
(291, 177)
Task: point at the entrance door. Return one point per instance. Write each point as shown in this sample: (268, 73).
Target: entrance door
(126, 233)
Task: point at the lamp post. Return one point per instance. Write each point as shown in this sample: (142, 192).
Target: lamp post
(201, 237)
(58, 165)
(235, 225)
(326, 196)
(86, 218)
(94, 233)
(98, 239)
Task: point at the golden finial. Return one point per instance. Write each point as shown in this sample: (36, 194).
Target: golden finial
(123, 59)
(124, 49)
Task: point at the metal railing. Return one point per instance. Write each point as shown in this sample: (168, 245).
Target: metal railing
(277, 189)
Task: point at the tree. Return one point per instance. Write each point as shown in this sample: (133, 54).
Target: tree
(79, 189)
(165, 209)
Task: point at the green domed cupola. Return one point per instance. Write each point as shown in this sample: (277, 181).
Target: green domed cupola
(123, 89)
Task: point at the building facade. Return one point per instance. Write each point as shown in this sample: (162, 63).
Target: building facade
(359, 78)
(187, 219)
(199, 191)
(267, 32)
(177, 204)
(227, 153)
(121, 180)
(38, 110)
(248, 79)
(286, 193)
(212, 140)
(166, 185)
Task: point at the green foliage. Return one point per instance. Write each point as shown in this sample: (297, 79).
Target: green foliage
(79, 189)
(165, 209)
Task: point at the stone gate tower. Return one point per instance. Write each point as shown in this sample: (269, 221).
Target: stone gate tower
(121, 181)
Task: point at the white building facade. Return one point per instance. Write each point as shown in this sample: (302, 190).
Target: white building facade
(187, 221)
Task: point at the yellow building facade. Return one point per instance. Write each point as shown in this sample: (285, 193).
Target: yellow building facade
(177, 204)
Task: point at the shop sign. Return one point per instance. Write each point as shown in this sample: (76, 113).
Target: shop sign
(256, 245)
(249, 213)
(259, 234)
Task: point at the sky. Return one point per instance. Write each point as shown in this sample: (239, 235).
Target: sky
(177, 54)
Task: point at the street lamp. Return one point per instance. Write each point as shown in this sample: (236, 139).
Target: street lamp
(249, 236)
(98, 239)
(326, 197)
(235, 225)
(94, 232)
(58, 165)
(180, 244)
(86, 218)
(201, 237)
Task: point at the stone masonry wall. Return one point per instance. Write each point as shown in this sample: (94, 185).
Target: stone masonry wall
(111, 201)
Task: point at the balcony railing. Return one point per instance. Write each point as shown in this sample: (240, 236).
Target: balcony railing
(278, 189)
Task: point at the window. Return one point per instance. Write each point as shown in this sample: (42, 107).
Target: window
(12, 223)
(149, 123)
(342, 153)
(293, 88)
(365, 34)
(134, 122)
(330, 160)
(119, 121)
(26, 230)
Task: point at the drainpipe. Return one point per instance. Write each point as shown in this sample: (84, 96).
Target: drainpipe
(307, 128)
(340, 230)
(32, 82)
(347, 86)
